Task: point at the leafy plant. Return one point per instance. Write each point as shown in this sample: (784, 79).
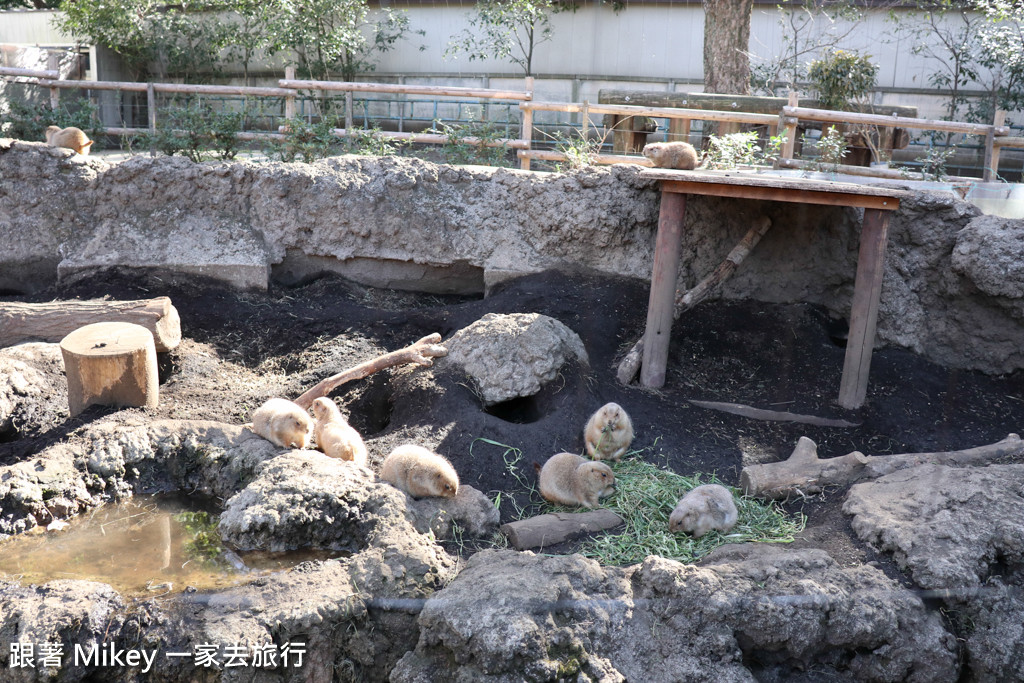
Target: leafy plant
(27, 121)
(742, 149)
(579, 151)
(831, 150)
(475, 142)
(305, 141)
(842, 78)
(506, 30)
(370, 142)
(193, 132)
(933, 164)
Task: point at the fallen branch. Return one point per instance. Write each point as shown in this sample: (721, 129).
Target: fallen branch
(421, 352)
(804, 473)
(629, 366)
(778, 415)
(51, 322)
(555, 527)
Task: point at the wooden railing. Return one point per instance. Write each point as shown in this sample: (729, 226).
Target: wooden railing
(996, 135)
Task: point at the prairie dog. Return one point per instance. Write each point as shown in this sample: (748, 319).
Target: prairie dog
(608, 433)
(420, 472)
(571, 480)
(706, 507)
(283, 423)
(70, 137)
(678, 155)
(334, 435)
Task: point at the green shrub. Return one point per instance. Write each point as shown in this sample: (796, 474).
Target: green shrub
(305, 141)
(842, 78)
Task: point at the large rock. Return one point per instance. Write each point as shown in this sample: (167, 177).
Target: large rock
(948, 527)
(751, 613)
(988, 252)
(33, 390)
(512, 355)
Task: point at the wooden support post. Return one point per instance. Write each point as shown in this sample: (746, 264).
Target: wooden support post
(349, 120)
(110, 364)
(991, 169)
(663, 289)
(678, 130)
(789, 124)
(289, 101)
(151, 109)
(867, 289)
(53, 64)
(526, 125)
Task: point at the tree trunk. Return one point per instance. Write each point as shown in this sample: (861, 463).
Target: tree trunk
(110, 364)
(726, 42)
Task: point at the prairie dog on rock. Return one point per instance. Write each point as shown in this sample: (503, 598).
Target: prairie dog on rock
(608, 433)
(70, 137)
(283, 423)
(678, 155)
(568, 479)
(420, 472)
(334, 435)
(706, 507)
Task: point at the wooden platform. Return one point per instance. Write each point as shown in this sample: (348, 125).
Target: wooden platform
(877, 203)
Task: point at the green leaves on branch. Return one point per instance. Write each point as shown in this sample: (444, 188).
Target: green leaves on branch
(841, 78)
(506, 30)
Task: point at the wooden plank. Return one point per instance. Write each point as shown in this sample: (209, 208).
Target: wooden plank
(28, 73)
(449, 91)
(663, 289)
(783, 194)
(1008, 142)
(867, 290)
(746, 103)
(551, 155)
(98, 85)
(830, 116)
(655, 112)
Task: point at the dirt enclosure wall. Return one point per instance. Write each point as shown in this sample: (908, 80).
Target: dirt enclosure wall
(953, 289)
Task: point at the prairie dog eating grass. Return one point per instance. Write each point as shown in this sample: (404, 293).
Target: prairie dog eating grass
(334, 435)
(283, 423)
(608, 433)
(70, 138)
(568, 479)
(420, 472)
(705, 508)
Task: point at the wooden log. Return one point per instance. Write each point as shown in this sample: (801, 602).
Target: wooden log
(991, 166)
(51, 322)
(630, 363)
(772, 415)
(28, 73)
(556, 527)
(421, 352)
(803, 473)
(829, 116)
(398, 88)
(111, 364)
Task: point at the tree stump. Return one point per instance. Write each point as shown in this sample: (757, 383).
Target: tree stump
(112, 364)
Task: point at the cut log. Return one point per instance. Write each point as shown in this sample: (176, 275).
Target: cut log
(803, 473)
(422, 353)
(556, 527)
(51, 322)
(630, 364)
(111, 364)
(778, 415)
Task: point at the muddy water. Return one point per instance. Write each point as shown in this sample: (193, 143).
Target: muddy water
(142, 547)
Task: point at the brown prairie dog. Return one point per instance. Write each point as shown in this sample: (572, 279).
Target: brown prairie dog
(678, 155)
(420, 472)
(568, 479)
(334, 435)
(705, 508)
(70, 137)
(608, 433)
(283, 423)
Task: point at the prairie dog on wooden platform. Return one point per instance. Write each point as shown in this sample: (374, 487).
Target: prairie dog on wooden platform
(334, 435)
(568, 479)
(678, 155)
(70, 138)
(608, 433)
(706, 507)
(283, 423)
(420, 472)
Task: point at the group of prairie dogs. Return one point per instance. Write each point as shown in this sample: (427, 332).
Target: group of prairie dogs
(570, 479)
(410, 468)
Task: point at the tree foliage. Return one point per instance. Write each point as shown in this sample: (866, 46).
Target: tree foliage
(508, 30)
(841, 78)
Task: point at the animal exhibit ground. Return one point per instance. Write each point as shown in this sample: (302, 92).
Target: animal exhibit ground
(240, 348)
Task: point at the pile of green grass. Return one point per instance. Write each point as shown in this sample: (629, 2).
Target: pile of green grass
(645, 496)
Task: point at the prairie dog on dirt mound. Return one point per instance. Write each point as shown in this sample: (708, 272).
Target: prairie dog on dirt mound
(608, 433)
(568, 479)
(283, 423)
(706, 507)
(678, 155)
(70, 137)
(420, 472)
(334, 435)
